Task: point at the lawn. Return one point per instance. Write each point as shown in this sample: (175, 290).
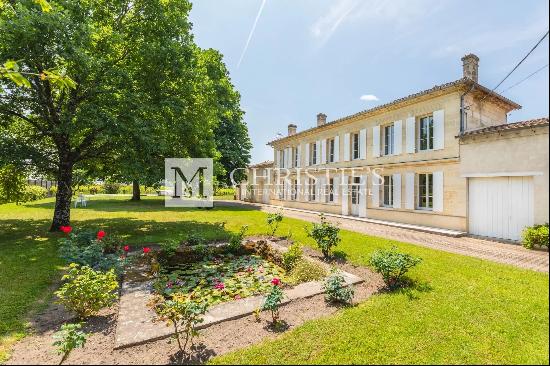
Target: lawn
(461, 310)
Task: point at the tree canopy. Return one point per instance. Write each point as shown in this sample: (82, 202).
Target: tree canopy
(143, 90)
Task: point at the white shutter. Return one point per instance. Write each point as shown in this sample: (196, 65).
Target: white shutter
(305, 184)
(336, 190)
(376, 141)
(409, 191)
(438, 191)
(318, 152)
(306, 160)
(439, 130)
(363, 144)
(345, 210)
(320, 189)
(363, 196)
(411, 135)
(346, 147)
(375, 191)
(397, 191)
(336, 149)
(276, 158)
(287, 158)
(397, 137)
(323, 151)
(299, 157)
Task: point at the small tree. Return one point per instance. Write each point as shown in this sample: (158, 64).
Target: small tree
(68, 338)
(273, 300)
(326, 235)
(184, 314)
(273, 221)
(87, 291)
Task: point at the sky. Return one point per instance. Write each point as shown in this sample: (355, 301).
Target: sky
(292, 59)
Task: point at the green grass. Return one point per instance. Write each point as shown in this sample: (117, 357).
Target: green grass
(461, 310)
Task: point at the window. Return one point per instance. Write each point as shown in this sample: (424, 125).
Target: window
(295, 156)
(330, 150)
(282, 162)
(312, 189)
(426, 133)
(330, 196)
(425, 191)
(387, 191)
(356, 183)
(294, 190)
(389, 140)
(312, 154)
(355, 146)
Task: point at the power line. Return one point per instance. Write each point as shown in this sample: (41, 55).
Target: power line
(525, 78)
(523, 59)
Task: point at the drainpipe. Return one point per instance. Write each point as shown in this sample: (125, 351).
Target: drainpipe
(462, 108)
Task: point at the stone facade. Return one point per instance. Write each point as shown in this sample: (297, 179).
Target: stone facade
(415, 142)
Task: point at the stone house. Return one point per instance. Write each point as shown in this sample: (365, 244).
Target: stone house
(445, 157)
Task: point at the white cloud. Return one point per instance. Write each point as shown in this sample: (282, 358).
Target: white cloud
(369, 98)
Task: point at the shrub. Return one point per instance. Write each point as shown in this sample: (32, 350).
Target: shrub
(326, 235)
(292, 256)
(392, 264)
(68, 338)
(34, 193)
(194, 239)
(83, 248)
(273, 301)
(169, 248)
(87, 291)
(305, 271)
(111, 188)
(184, 314)
(273, 221)
(336, 289)
(535, 236)
(236, 240)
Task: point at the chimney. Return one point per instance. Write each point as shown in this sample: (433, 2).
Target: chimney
(470, 66)
(292, 129)
(321, 119)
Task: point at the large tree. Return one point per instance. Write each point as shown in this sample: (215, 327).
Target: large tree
(136, 71)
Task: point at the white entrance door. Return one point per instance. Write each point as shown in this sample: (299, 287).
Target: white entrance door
(500, 207)
(355, 196)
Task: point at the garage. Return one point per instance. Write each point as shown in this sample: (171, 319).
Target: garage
(500, 207)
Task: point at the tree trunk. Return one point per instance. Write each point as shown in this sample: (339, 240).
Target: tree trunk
(135, 191)
(62, 211)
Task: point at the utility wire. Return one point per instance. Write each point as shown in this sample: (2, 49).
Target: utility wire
(523, 59)
(525, 78)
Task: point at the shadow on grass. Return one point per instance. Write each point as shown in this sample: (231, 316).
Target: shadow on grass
(145, 205)
(409, 287)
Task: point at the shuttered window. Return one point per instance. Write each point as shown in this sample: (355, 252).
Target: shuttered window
(387, 191)
(425, 191)
(389, 138)
(355, 146)
(426, 133)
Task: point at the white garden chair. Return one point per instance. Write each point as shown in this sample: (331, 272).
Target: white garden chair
(82, 200)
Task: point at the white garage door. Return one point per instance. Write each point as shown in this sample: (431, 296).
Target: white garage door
(500, 207)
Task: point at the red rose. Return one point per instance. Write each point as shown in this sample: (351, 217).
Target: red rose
(100, 234)
(66, 229)
(126, 248)
(146, 250)
(275, 282)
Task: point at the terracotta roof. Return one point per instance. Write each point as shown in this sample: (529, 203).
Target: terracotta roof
(463, 81)
(263, 163)
(532, 123)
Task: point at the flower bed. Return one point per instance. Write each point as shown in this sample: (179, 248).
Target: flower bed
(220, 278)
